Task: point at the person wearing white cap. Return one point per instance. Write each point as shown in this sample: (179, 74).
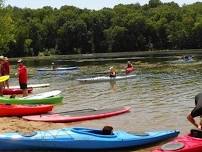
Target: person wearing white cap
(112, 72)
(53, 66)
(23, 77)
(129, 68)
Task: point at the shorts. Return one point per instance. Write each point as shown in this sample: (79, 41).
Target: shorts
(23, 86)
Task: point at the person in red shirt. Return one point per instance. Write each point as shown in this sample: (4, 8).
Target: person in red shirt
(23, 77)
(5, 70)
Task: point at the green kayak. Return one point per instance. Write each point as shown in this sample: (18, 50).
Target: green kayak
(49, 100)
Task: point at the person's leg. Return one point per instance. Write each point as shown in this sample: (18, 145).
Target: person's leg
(25, 92)
(7, 84)
(1, 89)
(23, 86)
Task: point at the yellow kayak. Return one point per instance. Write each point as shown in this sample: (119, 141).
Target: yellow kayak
(4, 78)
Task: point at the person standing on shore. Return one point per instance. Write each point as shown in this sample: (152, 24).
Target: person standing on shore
(197, 111)
(23, 77)
(1, 83)
(5, 70)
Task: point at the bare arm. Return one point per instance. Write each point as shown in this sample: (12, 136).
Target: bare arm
(191, 119)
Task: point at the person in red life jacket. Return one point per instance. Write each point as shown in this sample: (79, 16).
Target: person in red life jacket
(129, 67)
(5, 70)
(1, 83)
(23, 77)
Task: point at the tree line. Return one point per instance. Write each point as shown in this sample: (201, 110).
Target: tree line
(70, 30)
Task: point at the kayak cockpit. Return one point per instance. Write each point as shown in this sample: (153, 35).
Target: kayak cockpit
(94, 132)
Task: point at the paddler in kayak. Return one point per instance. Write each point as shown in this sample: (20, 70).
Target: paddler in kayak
(112, 72)
(53, 67)
(197, 111)
(129, 67)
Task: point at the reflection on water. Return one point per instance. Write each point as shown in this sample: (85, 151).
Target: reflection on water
(161, 94)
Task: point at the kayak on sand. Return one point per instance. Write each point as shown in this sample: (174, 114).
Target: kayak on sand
(50, 100)
(186, 143)
(23, 110)
(78, 115)
(106, 78)
(15, 91)
(80, 139)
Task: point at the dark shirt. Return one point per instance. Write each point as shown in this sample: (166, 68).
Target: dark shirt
(197, 111)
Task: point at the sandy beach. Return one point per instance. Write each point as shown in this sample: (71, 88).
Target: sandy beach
(16, 124)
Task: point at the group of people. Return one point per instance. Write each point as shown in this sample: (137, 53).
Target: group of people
(129, 68)
(22, 74)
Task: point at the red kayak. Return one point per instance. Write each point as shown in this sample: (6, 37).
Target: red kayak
(185, 143)
(78, 116)
(129, 70)
(23, 110)
(15, 91)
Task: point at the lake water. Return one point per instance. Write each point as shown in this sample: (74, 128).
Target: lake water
(161, 95)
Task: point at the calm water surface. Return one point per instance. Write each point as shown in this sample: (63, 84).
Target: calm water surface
(161, 95)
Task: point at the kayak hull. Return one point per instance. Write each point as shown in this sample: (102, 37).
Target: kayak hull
(43, 95)
(15, 91)
(79, 116)
(105, 78)
(33, 86)
(191, 144)
(129, 70)
(80, 139)
(50, 100)
(58, 69)
(20, 110)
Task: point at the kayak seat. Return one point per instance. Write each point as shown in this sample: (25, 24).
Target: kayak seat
(107, 130)
(172, 146)
(28, 134)
(197, 133)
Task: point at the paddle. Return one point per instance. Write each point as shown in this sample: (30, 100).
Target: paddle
(87, 109)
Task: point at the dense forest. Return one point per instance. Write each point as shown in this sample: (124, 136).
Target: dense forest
(70, 30)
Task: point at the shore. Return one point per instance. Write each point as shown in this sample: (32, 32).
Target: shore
(16, 124)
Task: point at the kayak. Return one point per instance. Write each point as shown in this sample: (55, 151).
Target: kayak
(15, 91)
(44, 95)
(32, 86)
(78, 115)
(50, 100)
(21, 110)
(129, 70)
(80, 139)
(184, 143)
(58, 69)
(106, 78)
(4, 78)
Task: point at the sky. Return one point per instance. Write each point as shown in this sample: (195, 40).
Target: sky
(89, 4)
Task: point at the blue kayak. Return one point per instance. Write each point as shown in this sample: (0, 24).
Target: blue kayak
(80, 139)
